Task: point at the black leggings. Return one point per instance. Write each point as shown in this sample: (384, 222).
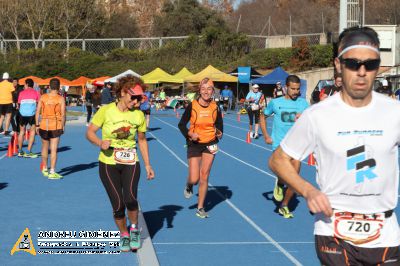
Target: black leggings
(121, 183)
(253, 114)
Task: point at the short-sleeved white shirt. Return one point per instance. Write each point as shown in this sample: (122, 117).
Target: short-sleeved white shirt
(356, 150)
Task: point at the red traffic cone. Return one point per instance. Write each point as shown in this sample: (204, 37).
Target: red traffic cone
(238, 117)
(311, 159)
(222, 114)
(41, 166)
(10, 149)
(248, 139)
(14, 140)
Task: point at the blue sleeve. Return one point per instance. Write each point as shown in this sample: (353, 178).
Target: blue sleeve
(305, 105)
(248, 95)
(269, 110)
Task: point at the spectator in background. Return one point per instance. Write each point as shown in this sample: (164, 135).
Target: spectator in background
(89, 102)
(163, 98)
(253, 110)
(225, 94)
(96, 99)
(145, 107)
(27, 103)
(15, 114)
(106, 96)
(278, 90)
(331, 89)
(6, 103)
(385, 89)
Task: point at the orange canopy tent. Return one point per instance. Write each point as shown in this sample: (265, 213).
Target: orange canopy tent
(81, 81)
(63, 81)
(35, 79)
(100, 81)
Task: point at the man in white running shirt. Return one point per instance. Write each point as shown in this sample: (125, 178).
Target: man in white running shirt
(354, 136)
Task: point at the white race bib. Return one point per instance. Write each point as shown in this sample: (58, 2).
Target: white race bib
(255, 107)
(213, 148)
(358, 228)
(125, 156)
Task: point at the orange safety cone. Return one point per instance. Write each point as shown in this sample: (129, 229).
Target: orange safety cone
(248, 139)
(177, 114)
(311, 159)
(41, 166)
(174, 109)
(238, 117)
(222, 114)
(10, 149)
(15, 143)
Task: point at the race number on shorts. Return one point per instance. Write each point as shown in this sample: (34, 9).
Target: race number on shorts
(213, 149)
(125, 156)
(358, 228)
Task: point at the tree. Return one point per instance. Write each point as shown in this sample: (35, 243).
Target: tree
(185, 17)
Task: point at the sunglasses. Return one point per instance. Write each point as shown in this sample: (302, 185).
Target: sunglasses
(354, 64)
(136, 97)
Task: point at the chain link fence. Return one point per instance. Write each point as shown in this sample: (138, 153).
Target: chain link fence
(104, 46)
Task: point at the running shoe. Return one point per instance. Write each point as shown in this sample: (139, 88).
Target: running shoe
(256, 136)
(54, 176)
(188, 191)
(45, 172)
(278, 192)
(30, 155)
(124, 244)
(21, 154)
(134, 238)
(284, 211)
(201, 213)
(251, 135)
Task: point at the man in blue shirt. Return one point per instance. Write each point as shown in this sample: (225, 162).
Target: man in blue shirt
(145, 107)
(286, 110)
(106, 96)
(253, 110)
(225, 94)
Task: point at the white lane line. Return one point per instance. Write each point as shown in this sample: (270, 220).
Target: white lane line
(245, 122)
(4, 155)
(244, 216)
(230, 243)
(230, 125)
(252, 166)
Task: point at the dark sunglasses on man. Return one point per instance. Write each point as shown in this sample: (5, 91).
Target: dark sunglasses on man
(355, 64)
(136, 97)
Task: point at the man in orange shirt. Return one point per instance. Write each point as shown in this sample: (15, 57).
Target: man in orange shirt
(6, 102)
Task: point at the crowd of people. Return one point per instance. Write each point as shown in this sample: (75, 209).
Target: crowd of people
(349, 132)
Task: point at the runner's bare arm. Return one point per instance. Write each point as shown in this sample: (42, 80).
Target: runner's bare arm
(37, 114)
(63, 114)
(92, 137)
(144, 150)
(263, 125)
(280, 164)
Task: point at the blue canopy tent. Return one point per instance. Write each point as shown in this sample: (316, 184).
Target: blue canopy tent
(278, 74)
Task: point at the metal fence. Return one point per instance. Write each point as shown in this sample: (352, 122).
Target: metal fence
(103, 46)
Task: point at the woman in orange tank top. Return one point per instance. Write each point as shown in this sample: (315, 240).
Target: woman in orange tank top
(202, 136)
(51, 107)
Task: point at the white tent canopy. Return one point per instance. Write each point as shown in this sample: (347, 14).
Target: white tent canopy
(123, 74)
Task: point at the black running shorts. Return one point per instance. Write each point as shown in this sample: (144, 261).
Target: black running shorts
(6, 108)
(50, 134)
(335, 251)
(25, 120)
(195, 150)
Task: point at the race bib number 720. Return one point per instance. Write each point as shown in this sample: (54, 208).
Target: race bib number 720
(125, 156)
(358, 228)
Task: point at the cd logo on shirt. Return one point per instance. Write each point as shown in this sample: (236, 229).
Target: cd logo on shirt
(364, 167)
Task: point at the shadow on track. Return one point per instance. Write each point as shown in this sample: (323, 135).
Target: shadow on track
(293, 203)
(155, 219)
(3, 185)
(77, 168)
(215, 196)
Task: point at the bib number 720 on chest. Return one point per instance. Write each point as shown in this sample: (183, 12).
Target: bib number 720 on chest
(125, 156)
